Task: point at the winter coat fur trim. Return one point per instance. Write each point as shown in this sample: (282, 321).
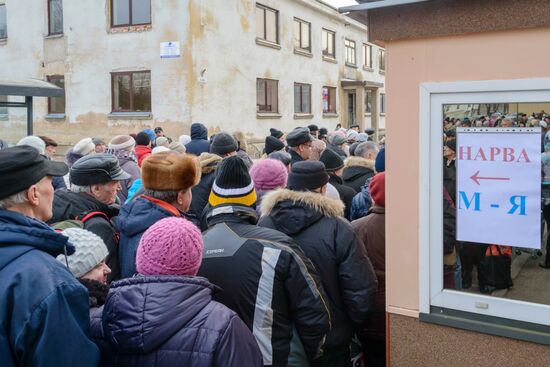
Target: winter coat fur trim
(359, 162)
(209, 162)
(320, 203)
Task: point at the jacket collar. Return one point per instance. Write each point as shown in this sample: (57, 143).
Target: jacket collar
(233, 213)
(163, 204)
(295, 156)
(335, 179)
(359, 162)
(326, 206)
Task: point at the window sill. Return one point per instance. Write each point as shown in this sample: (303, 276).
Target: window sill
(265, 43)
(130, 116)
(304, 116)
(368, 114)
(330, 115)
(268, 115)
(366, 68)
(54, 36)
(351, 66)
(130, 29)
(55, 116)
(298, 51)
(382, 114)
(330, 59)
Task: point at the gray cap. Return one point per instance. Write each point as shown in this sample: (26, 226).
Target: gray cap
(97, 169)
(298, 136)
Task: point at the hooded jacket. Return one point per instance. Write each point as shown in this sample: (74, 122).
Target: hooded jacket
(44, 313)
(357, 171)
(171, 321)
(199, 140)
(134, 219)
(315, 222)
(69, 205)
(269, 282)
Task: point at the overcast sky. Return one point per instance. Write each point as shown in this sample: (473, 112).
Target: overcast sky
(339, 3)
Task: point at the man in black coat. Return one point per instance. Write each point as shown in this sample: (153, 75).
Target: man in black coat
(95, 182)
(334, 165)
(358, 169)
(315, 222)
(264, 275)
(300, 142)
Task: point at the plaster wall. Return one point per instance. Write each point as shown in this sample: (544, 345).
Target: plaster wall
(410, 63)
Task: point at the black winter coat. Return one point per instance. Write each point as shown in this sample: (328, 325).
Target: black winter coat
(357, 171)
(199, 140)
(269, 282)
(294, 157)
(315, 223)
(171, 321)
(346, 193)
(69, 205)
(201, 192)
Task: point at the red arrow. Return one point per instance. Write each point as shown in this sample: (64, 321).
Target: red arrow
(476, 178)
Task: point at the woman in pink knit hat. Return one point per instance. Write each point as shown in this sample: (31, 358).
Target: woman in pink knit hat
(267, 175)
(165, 316)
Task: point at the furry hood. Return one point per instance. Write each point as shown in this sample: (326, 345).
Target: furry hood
(209, 162)
(359, 162)
(321, 204)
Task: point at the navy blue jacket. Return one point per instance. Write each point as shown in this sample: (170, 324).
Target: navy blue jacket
(44, 312)
(199, 140)
(171, 321)
(133, 220)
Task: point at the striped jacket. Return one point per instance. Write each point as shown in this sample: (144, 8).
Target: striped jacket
(268, 281)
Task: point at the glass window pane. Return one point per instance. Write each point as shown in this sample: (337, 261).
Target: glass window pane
(57, 104)
(260, 22)
(306, 93)
(382, 103)
(296, 34)
(121, 12)
(260, 95)
(331, 44)
(305, 36)
(271, 23)
(142, 91)
(141, 11)
(326, 100)
(324, 37)
(332, 105)
(297, 98)
(272, 96)
(56, 17)
(3, 22)
(368, 101)
(121, 92)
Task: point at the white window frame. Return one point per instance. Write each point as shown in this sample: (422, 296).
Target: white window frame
(432, 98)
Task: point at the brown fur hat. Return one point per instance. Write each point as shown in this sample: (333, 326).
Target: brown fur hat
(170, 172)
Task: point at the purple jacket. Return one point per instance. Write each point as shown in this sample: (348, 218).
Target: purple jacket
(171, 321)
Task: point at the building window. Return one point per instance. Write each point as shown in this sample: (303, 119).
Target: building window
(130, 12)
(3, 109)
(267, 24)
(131, 91)
(382, 102)
(367, 56)
(267, 95)
(56, 105)
(350, 52)
(302, 98)
(328, 43)
(55, 17)
(302, 35)
(3, 22)
(382, 60)
(368, 101)
(329, 100)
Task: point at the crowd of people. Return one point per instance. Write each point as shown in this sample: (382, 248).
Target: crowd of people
(152, 251)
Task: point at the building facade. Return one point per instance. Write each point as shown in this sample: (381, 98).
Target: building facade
(232, 65)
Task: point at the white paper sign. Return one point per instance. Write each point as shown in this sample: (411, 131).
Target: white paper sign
(169, 50)
(498, 196)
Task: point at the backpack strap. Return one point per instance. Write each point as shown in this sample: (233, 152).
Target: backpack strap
(84, 218)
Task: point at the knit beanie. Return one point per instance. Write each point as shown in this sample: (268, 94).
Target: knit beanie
(160, 149)
(84, 147)
(35, 142)
(276, 133)
(272, 144)
(362, 137)
(332, 160)
(143, 138)
(380, 163)
(233, 184)
(90, 251)
(169, 171)
(184, 139)
(171, 246)
(269, 174)
(122, 142)
(223, 143)
(177, 147)
(307, 175)
(162, 141)
(377, 189)
(352, 135)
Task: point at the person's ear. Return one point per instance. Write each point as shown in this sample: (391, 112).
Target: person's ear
(32, 196)
(323, 189)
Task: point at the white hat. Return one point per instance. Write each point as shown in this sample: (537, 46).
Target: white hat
(161, 141)
(543, 124)
(160, 150)
(35, 142)
(184, 139)
(84, 147)
(122, 142)
(352, 134)
(90, 251)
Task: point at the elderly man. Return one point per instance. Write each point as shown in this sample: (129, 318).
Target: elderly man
(95, 183)
(358, 169)
(48, 324)
(300, 142)
(167, 179)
